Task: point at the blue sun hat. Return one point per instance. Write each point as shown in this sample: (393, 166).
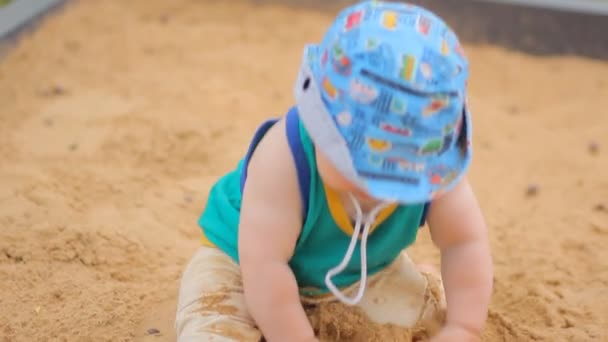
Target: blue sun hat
(383, 97)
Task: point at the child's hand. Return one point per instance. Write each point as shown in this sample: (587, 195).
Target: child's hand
(456, 334)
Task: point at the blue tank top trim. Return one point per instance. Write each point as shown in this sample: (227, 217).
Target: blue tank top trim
(425, 212)
(259, 134)
(299, 157)
(292, 128)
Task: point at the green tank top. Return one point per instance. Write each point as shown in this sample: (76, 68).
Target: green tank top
(326, 231)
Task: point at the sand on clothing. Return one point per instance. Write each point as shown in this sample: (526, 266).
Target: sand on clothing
(117, 116)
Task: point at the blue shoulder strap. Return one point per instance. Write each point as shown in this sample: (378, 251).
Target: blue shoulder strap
(292, 127)
(425, 212)
(299, 156)
(259, 134)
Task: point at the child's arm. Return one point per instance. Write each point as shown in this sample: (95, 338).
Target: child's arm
(458, 229)
(270, 224)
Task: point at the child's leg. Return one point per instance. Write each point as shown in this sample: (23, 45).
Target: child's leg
(401, 294)
(211, 305)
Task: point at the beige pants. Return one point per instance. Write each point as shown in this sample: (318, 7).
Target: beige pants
(211, 305)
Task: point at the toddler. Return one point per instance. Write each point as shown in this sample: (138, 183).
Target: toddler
(329, 195)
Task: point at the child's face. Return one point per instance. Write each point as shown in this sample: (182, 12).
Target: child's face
(332, 177)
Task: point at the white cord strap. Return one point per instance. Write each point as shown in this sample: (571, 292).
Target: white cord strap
(369, 221)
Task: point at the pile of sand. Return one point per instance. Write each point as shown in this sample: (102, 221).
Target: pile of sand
(116, 117)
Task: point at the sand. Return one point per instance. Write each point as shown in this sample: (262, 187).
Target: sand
(116, 117)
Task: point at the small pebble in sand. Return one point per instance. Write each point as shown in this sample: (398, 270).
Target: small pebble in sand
(153, 331)
(71, 45)
(55, 90)
(58, 90)
(594, 148)
(513, 110)
(532, 190)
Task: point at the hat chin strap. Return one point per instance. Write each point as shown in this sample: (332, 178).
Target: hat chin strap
(368, 221)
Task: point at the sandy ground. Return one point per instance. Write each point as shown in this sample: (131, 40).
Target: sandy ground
(116, 117)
